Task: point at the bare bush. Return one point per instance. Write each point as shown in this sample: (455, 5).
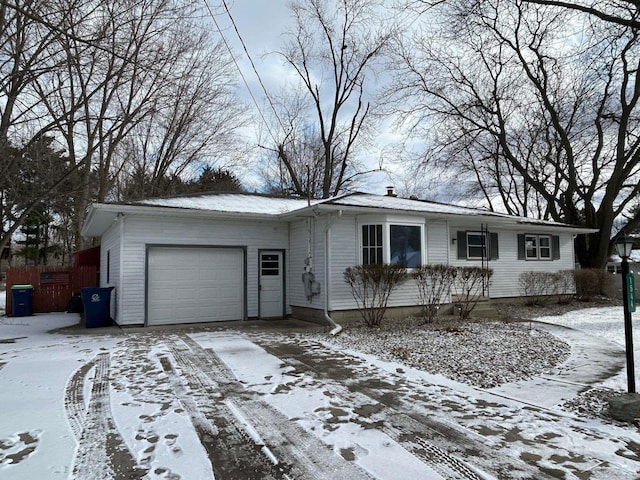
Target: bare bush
(564, 285)
(434, 284)
(469, 286)
(371, 286)
(538, 288)
(535, 287)
(589, 283)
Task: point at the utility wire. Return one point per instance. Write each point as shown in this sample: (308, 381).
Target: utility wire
(255, 70)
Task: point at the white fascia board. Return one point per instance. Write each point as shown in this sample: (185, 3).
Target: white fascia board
(102, 215)
(495, 219)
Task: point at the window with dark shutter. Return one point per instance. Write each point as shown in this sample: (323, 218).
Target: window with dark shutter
(477, 245)
(538, 247)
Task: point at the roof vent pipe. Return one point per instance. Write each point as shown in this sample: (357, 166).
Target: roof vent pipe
(390, 192)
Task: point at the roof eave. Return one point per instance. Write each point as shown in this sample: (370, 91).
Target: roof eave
(532, 224)
(102, 215)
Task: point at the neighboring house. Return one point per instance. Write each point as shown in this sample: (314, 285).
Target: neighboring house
(216, 257)
(614, 262)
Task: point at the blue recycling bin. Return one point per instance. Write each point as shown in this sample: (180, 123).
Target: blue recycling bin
(22, 300)
(96, 303)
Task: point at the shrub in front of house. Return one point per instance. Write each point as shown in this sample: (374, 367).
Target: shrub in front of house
(589, 283)
(434, 285)
(534, 287)
(371, 285)
(539, 288)
(469, 286)
(564, 285)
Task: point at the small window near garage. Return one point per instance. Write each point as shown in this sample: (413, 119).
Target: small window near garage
(538, 247)
(372, 248)
(406, 245)
(269, 265)
(108, 266)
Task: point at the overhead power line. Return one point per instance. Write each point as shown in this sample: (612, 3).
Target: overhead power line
(253, 66)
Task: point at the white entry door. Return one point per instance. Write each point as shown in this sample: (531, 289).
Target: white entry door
(271, 284)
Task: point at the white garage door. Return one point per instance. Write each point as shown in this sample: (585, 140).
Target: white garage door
(189, 285)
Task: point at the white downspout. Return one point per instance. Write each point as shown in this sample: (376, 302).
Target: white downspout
(327, 263)
(119, 289)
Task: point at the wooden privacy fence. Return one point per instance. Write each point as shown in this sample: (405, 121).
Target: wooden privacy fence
(53, 287)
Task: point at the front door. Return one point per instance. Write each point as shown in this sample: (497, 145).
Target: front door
(271, 284)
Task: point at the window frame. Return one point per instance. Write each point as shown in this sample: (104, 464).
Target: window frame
(554, 247)
(371, 246)
(538, 247)
(386, 222)
(482, 246)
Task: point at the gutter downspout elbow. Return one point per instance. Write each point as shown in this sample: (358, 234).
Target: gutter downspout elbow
(327, 262)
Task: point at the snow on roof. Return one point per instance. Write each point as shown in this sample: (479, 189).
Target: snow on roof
(260, 205)
(368, 200)
(398, 203)
(231, 202)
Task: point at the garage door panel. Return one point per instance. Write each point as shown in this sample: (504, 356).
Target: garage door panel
(188, 285)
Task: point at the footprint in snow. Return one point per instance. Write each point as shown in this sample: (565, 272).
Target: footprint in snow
(19, 446)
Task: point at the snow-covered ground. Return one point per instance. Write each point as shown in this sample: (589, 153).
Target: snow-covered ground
(202, 403)
(606, 323)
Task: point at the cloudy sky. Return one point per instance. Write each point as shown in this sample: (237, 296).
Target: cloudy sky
(262, 25)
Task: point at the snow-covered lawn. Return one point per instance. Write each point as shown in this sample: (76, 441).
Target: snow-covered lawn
(210, 402)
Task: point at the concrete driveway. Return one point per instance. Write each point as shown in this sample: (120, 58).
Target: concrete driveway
(266, 401)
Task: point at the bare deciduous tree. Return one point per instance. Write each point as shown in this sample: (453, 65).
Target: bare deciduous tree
(543, 118)
(96, 74)
(192, 125)
(27, 29)
(332, 49)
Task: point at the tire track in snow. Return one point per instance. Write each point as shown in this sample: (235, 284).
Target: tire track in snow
(233, 456)
(101, 453)
(493, 436)
(291, 451)
(74, 403)
(428, 440)
(308, 456)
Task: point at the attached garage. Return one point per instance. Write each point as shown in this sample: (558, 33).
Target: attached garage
(195, 284)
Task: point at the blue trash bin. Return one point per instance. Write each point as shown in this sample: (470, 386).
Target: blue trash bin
(96, 303)
(22, 300)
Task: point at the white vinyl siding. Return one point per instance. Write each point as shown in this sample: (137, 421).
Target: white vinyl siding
(129, 237)
(345, 245)
(110, 242)
(306, 234)
(172, 231)
(507, 268)
(344, 253)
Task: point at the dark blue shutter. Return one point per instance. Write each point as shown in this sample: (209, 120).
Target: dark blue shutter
(555, 247)
(493, 246)
(521, 247)
(462, 244)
